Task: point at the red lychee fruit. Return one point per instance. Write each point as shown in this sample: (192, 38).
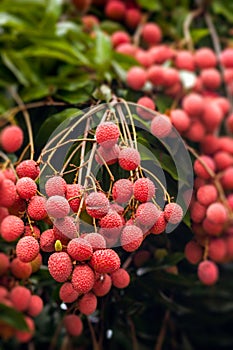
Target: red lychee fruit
(211, 78)
(32, 230)
(115, 10)
(36, 305)
(144, 58)
(74, 191)
(67, 293)
(171, 77)
(65, 229)
(25, 336)
(151, 33)
(83, 278)
(120, 37)
(9, 174)
(147, 214)
(73, 325)
(197, 212)
(211, 228)
(3, 213)
(208, 272)
(28, 168)
(173, 213)
(107, 134)
(20, 297)
(129, 158)
(111, 224)
(148, 103)
(87, 304)
(47, 241)
(20, 269)
(120, 278)
(26, 187)
(27, 248)
(11, 228)
(184, 60)
(4, 263)
(133, 17)
(193, 252)
(193, 104)
(160, 225)
(207, 194)
(161, 53)
(8, 193)
(226, 58)
(37, 208)
(131, 238)
(217, 213)
(127, 49)
(109, 156)
(209, 144)
(136, 78)
(122, 191)
(36, 263)
(96, 240)
(212, 116)
(205, 58)
(102, 285)
(3, 293)
(161, 126)
(180, 120)
(227, 178)
(55, 186)
(60, 266)
(105, 261)
(57, 206)
(196, 131)
(217, 250)
(223, 160)
(79, 249)
(155, 74)
(143, 190)
(97, 204)
(11, 138)
(203, 166)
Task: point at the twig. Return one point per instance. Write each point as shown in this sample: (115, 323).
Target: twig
(186, 27)
(163, 330)
(133, 334)
(96, 345)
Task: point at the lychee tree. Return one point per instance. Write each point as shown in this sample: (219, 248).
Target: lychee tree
(116, 174)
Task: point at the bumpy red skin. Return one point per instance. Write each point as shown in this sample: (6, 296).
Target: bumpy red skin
(129, 159)
(57, 206)
(96, 240)
(7, 193)
(20, 297)
(83, 279)
(173, 213)
(217, 213)
(27, 248)
(207, 194)
(105, 261)
(151, 33)
(79, 249)
(32, 230)
(161, 126)
(131, 238)
(147, 214)
(4, 263)
(20, 269)
(205, 58)
(87, 304)
(107, 134)
(67, 293)
(148, 103)
(120, 278)
(200, 170)
(136, 78)
(197, 212)
(115, 10)
(97, 205)
(122, 191)
(160, 225)
(47, 240)
(143, 190)
(111, 224)
(108, 155)
(65, 229)
(26, 188)
(74, 190)
(28, 168)
(60, 266)
(208, 272)
(55, 186)
(73, 325)
(35, 306)
(37, 208)
(102, 285)
(11, 138)
(12, 227)
(217, 250)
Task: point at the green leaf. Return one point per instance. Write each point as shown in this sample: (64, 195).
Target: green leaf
(150, 5)
(103, 51)
(12, 317)
(9, 58)
(35, 92)
(224, 8)
(52, 122)
(8, 20)
(52, 13)
(198, 34)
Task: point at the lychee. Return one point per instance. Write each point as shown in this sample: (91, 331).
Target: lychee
(217, 213)
(55, 186)
(193, 252)
(20, 269)
(180, 120)
(97, 204)
(4, 263)
(57, 206)
(11, 138)
(102, 285)
(204, 166)
(131, 238)
(136, 78)
(79, 249)
(115, 10)
(28, 168)
(161, 126)
(148, 103)
(129, 158)
(73, 195)
(105, 261)
(107, 134)
(87, 304)
(143, 190)
(60, 266)
(11, 228)
(160, 224)
(35, 306)
(96, 240)
(173, 213)
(8, 193)
(207, 194)
(67, 293)
(205, 58)
(20, 297)
(27, 248)
(25, 336)
(151, 33)
(83, 278)
(73, 325)
(147, 214)
(208, 272)
(107, 155)
(120, 278)
(122, 191)
(26, 187)
(37, 208)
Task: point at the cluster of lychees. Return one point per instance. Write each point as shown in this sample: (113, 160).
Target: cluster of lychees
(198, 81)
(85, 263)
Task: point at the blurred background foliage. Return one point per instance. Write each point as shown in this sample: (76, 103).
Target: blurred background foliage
(55, 68)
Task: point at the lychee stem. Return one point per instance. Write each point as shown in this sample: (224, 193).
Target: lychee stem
(186, 27)
(87, 127)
